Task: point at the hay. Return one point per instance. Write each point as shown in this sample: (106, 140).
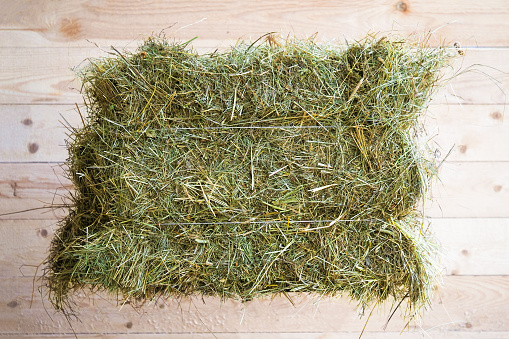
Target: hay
(272, 167)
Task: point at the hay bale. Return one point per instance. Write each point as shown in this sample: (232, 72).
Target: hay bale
(271, 167)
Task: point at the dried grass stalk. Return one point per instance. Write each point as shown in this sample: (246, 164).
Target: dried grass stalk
(283, 166)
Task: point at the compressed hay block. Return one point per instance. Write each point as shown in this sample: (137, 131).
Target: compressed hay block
(271, 167)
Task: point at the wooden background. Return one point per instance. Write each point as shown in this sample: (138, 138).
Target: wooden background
(41, 40)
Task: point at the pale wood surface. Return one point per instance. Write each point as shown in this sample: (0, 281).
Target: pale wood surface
(473, 23)
(285, 335)
(40, 43)
(470, 303)
(417, 334)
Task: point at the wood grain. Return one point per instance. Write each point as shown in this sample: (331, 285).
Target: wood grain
(474, 132)
(35, 133)
(474, 246)
(41, 75)
(24, 245)
(32, 186)
(471, 189)
(471, 22)
(44, 75)
(414, 334)
(463, 304)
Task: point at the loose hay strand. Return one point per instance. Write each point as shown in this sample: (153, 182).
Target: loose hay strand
(274, 167)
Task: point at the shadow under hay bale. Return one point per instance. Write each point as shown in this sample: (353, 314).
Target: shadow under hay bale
(272, 167)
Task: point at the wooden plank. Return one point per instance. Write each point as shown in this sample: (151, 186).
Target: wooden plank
(487, 255)
(465, 190)
(25, 244)
(470, 22)
(416, 334)
(473, 132)
(468, 303)
(30, 39)
(32, 186)
(43, 75)
(37, 132)
(471, 190)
